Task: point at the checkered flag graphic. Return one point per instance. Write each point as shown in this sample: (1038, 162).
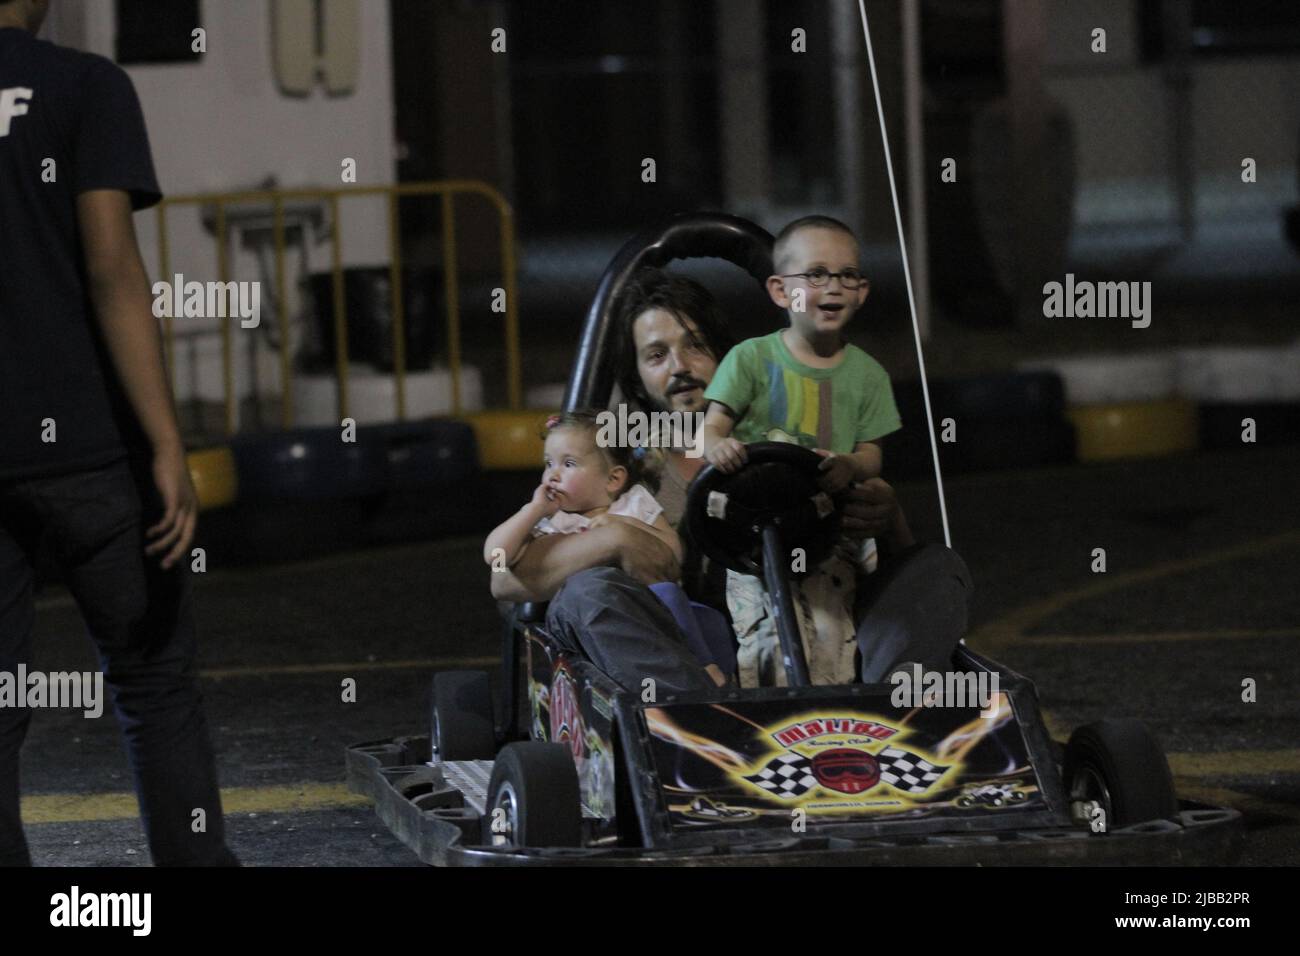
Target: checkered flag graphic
(786, 775)
(906, 771)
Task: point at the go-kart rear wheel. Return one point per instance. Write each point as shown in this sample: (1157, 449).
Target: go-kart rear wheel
(461, 725)
(1119, 766)
(532, 798)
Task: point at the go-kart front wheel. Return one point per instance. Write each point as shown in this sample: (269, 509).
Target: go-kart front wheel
(461, 722)
(1118, 766)
(533, 798)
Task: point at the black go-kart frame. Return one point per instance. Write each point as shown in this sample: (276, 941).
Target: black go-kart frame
(581, 771)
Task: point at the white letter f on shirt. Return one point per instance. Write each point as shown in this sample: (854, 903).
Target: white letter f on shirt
(13, 102)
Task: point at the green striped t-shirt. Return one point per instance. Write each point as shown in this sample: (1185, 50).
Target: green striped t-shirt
(777, 398)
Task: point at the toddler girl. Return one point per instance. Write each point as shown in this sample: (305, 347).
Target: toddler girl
(585, 485)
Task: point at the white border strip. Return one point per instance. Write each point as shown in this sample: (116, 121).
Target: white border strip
(907, 273)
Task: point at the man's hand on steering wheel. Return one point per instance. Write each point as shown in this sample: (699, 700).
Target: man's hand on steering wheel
(870, 510)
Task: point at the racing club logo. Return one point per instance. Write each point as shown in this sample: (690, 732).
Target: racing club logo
(846, 770)
(814, 727)
(838, 763)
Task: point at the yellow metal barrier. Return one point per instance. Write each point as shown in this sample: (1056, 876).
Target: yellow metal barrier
(447, 189)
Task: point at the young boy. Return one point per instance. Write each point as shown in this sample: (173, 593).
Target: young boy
(807, 385)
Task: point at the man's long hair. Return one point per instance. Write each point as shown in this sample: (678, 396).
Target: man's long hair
(684, 299)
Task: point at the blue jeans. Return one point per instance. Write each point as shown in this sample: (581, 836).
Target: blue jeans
(618, 624)
(913, 609)
(142, 622)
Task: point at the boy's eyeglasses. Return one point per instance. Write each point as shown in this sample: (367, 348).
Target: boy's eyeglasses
(850, 279)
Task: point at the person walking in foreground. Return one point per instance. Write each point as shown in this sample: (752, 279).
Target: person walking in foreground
(91, 458)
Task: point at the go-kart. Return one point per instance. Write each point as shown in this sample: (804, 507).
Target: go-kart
(581, 770)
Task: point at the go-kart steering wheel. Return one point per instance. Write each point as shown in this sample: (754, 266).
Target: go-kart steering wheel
(725, 513)
(756, 521)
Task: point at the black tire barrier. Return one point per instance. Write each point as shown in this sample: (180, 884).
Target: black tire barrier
(1006, 395)
(305, 492)
(426, 453)
(434, 483)
(988, 446)
(310, 464)
(262, 532)
(1011, 420)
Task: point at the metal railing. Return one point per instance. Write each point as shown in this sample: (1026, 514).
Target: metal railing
(447, 189)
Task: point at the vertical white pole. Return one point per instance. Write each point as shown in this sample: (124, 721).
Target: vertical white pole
(907, 272)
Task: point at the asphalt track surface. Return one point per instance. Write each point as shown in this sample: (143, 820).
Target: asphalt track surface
(1199, 593)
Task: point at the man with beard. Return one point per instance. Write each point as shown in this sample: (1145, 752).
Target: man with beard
(672, 336)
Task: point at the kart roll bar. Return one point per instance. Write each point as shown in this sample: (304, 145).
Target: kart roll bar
(702, 235)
